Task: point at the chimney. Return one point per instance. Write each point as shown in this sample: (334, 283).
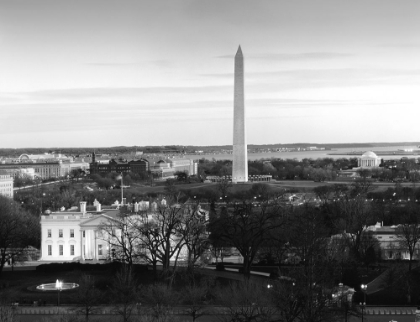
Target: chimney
(83, 207)
(98, 207)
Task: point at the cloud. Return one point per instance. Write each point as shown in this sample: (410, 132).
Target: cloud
(157, 62)
(110, 64)
(292, 57)
(266, 82)
(400, 45)
(112, 94)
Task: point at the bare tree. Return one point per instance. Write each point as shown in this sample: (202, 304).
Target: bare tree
(196, 295)
(159, 299)
(247, 302)
(223, 186)
(123, 240)
(247, 228)
(87, 296)
(194, 231)
(353, 215)
(408, 235)
(7, 311)
(125, 294)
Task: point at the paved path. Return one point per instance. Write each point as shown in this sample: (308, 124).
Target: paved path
(371, 314)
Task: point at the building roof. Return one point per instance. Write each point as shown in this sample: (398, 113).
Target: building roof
(369, 154)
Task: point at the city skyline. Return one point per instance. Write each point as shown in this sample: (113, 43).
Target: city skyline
(107, 73)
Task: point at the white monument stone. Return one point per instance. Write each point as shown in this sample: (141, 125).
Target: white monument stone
(240, 153)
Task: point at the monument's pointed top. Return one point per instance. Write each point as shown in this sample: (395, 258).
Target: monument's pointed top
(239, 52)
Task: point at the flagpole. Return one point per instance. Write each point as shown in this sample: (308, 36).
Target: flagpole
(122, 190)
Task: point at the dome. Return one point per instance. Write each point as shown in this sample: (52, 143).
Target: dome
(369, 154)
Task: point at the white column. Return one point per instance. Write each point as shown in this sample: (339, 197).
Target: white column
(95, 253)
(81, 245)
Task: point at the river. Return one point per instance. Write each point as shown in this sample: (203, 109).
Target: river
(334, 154)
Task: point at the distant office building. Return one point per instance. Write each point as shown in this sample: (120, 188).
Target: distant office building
(43, 157)
(20, 172)
(167, 169)
(47, 169)
(6, 185)
(119, 166)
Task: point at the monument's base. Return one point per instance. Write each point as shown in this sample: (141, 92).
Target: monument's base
(239, 182)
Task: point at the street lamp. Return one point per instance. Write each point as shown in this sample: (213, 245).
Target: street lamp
(363, 305)
(59, 287)
(42, 200)
(364, 288)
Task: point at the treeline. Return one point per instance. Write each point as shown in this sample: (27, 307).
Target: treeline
(117, 150)
(282, 169)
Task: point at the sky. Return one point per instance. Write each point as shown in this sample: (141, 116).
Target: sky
(91, 73)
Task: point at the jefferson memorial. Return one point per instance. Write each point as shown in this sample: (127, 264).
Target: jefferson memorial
(369, 160)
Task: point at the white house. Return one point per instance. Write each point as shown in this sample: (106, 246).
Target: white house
(80, 235)
(68, 236)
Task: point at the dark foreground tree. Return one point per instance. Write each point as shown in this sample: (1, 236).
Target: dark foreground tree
(247, 302)
(18, 230)
(125, 294)
(247, 228)
(87, 296)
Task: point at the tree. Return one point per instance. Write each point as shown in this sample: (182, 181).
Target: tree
(171, 190)
(247, 302)
(247, 228)
(168, 223)
(7, 311)
(369, 248)
(87, 296)
(125, 293)
(223, 186)
(160, 298)
(18, 230)
(196, 295)
(194, 231)
(75, 174)
(122, 238)
(314, 279)
(408, 235)
(352, 215)
(181, 176)
(160, 234)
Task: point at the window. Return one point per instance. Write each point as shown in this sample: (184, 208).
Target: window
(60, 233)
(84, 233)
(60, 250)
(49, 250)
(71, 249)
(49, 233)
(100, 250)
(71, 232)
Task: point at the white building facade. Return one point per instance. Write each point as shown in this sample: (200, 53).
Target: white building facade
(69, 236)
(6, 185)
(369, 160)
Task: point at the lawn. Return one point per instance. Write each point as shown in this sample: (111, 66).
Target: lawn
(22, 284)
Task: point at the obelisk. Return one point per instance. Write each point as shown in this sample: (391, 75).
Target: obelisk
(240, 153)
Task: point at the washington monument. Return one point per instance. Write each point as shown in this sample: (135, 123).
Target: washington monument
(240, 154)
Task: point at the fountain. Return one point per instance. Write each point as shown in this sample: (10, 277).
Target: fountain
(57, 286)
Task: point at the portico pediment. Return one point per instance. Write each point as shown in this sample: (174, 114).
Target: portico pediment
(94, 222)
